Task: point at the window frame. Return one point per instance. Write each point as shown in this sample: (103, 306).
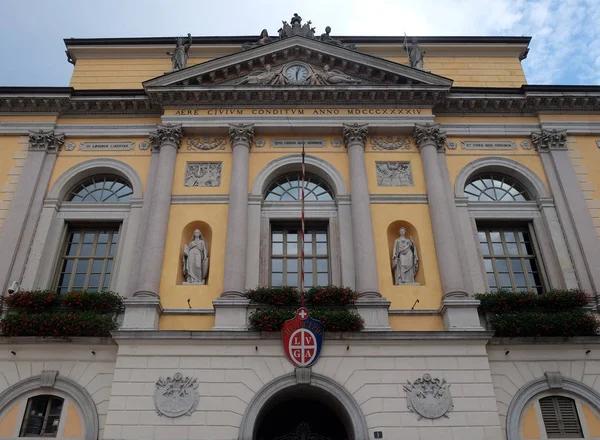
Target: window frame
(554, 398)
(26, 416)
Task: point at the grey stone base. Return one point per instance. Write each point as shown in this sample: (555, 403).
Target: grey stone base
(231, 314)
(141, 313)
(375, 313)
(461, 314)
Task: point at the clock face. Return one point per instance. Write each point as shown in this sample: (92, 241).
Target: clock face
(296, 73)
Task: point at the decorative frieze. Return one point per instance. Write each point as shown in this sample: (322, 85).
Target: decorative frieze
(355, 133)
(394, 174)
(113, 146)
(429, 133)
(488, 145)
(207, 143)
(546, 140)
(45, 141)
(241, 133)
(429, 397)
(172, 133)
(298, 143)
(390, 143)
(206, 174)
(176, 396)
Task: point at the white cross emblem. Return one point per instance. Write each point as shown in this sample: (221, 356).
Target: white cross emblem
(302, 313)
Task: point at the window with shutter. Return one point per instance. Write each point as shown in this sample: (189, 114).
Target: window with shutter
(560, 417)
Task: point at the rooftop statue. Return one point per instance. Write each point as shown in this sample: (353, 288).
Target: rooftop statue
(415, 53)
(179, 56)
(263, 39)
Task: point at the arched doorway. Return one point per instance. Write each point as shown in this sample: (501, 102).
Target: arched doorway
(285, 409)
(301, 414)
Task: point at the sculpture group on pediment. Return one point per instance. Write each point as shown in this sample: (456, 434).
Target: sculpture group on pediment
(311, 76)
(195, 259)
(405, 259)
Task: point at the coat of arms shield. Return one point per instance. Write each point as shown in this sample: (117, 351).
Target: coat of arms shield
(302, 339)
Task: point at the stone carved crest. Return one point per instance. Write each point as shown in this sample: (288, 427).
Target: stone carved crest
(394, 174)
(429, 397)
(549, 140)
(207, 174)
(207, 143)
(176, 396)
(390, 143)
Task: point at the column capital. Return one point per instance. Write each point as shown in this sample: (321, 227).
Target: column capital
(355, 133)
(546, 140)
(48, 141)
(241, 133)
(429, 134)
(172, 133)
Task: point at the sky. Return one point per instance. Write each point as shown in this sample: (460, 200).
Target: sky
(565, 48)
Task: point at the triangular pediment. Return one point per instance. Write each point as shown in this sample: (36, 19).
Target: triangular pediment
(314, 62)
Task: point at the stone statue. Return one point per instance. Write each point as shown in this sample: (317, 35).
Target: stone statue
(262, 40)
(335, 77)
(179, 56)
(405, 260)
(264, 77)
(195, 259)
(415, 54)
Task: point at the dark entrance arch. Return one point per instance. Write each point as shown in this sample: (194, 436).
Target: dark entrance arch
(299, 416)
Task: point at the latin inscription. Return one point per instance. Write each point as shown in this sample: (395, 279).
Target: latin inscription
(297, 143)
(488, 145)
(123, 146)
(299, 112)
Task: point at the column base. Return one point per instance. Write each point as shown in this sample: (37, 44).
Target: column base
(231, 314)
(141, 313)
(375, 313)
(460, 314)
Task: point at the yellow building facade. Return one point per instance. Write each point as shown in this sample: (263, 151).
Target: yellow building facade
(493, 182)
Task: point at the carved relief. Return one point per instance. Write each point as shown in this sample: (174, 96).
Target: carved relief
(45, 140)
(297, 73)
(428, 397)
(206, 174)
(69, 146)
(166, 133)
(176, 396)
(259, 143)
(394, 174)
(429, 134)
(207, 143)
(549, 140)
(336, 143)
(525, 145)
(144, 145)
(390, 143)
(451, 145)
(405, 259)
(195, 259)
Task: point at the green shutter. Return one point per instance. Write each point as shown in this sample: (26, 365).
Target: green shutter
(560, 417)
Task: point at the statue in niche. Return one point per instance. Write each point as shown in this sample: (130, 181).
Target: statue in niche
(328, 76)
(405, 260)
(195, 259)
(179, 56)
(415, 54)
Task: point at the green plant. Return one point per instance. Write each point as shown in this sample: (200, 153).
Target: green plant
(93, 301)
(331, 295)
(34, 300)
(272, 319)
(538, 324)
(58, 324)
(508, 300)
(274, 295)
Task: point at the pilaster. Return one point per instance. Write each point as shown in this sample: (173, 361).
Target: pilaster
(19, 227)
(459, 311)
(230, 308)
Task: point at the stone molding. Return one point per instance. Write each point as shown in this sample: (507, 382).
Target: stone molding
(355, 133)
(554, 379)
(79, 394)
(48, 141)
(398, 198)
(429, 133)
(537, 386)
(166, 134)
(547, 140)
(321, 383)
(200, 199)
(241, 133)
(48, 379)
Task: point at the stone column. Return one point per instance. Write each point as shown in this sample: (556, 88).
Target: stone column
(143, 309)
(230, 308)
(19, 227)
(372, 307)
(572, 210)
(459, 311)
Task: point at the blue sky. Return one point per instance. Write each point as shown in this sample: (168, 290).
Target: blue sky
(565, 48)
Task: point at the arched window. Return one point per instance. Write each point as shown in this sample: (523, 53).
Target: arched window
(560, 417)
(493, 187)
(101, 189)
(289, 188)
(42, 416)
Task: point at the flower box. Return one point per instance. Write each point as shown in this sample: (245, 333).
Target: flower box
(538, 324)
(272, 319)
(58, 324)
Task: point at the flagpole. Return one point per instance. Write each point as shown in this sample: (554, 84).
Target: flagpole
(302, 230)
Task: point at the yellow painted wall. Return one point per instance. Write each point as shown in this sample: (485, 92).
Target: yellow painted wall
(73, 424)
(479, 71)
(416, 323)
(591, 420)
(186, 322)
(8, 423)
(585, 157)
(13, 151)
(530, 429)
